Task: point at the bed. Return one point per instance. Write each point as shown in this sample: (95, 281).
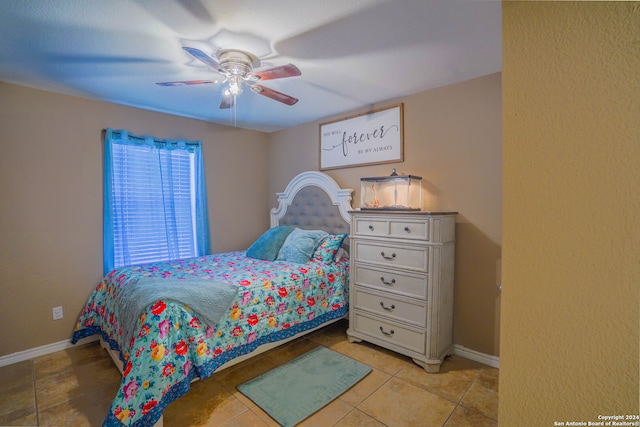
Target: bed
(168, 324)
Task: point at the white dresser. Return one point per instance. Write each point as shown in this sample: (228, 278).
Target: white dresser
(401, 286)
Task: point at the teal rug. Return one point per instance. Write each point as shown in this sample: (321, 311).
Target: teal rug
(294, 391)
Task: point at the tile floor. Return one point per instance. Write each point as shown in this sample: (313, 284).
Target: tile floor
(75, 388)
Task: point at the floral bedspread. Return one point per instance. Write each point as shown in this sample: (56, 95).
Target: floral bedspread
(172, 346)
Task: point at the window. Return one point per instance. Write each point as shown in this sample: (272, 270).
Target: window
(155, 206)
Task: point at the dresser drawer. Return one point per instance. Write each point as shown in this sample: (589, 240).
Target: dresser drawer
(399, 256)
(405, 283)
(370, 227)
(406, 229)
(409, 311)
(390, 332)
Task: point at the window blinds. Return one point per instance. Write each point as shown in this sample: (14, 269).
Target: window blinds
(153, 200)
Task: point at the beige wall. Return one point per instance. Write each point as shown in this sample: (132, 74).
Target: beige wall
(51, 187)
(452, 138)
(51, 195)
(571, 266)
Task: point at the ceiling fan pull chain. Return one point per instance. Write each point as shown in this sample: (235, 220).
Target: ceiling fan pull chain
(233, 112)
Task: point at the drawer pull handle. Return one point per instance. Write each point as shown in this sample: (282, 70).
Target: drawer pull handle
(389, 258)
(371, 227)
(392, 282)
(391, 332)
(393, 307)
(407, 229)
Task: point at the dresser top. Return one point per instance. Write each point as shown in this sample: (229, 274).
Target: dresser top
(399, 212)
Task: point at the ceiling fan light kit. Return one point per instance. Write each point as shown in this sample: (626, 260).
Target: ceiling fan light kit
(234, 86)
(237, 67)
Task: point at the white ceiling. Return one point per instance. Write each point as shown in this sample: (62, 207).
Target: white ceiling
(352, 53)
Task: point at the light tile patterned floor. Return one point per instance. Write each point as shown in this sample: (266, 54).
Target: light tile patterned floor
(75, 388)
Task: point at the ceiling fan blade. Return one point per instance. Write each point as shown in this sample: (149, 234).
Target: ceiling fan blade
(187, 83)
(228, 101)
(283, 71)
(198, 54)
(274, 94)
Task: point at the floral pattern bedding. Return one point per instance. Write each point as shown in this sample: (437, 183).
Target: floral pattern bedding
(172, 346)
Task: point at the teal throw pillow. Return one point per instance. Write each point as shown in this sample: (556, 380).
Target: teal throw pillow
(268, 245)
(326, 250)
(300, 245)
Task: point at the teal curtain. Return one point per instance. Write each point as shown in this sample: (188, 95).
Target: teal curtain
(155, 200)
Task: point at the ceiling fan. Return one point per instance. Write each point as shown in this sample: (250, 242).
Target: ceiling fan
(237, 67)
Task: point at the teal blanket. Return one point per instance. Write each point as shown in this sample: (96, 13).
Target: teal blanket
(209, 299)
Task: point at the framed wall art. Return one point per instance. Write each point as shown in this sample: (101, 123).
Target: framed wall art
(365, 139)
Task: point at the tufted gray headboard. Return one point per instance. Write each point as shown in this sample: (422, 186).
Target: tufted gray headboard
(314, 201)
(312, 209)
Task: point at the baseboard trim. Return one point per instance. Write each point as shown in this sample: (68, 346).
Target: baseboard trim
(10, 359)
(467, 353)
(21, 356)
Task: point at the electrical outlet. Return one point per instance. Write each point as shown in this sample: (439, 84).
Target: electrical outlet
(57, 313)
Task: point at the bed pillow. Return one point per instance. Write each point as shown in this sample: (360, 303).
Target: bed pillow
(341, 254)
(300, 245)
(326, 250)
(268, 245)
